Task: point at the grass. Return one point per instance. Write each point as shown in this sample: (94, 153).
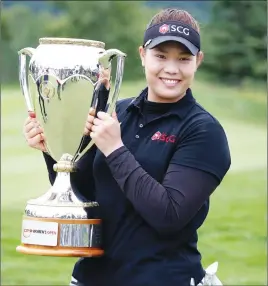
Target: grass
(234, 233)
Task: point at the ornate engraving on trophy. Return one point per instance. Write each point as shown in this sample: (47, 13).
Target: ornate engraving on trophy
(46, 89)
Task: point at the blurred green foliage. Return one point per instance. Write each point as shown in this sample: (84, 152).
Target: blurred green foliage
(236, 40)
(233, 32)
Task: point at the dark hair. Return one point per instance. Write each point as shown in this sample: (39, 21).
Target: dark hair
(174, 15)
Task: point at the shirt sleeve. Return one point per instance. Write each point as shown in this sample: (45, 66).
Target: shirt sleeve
(168, 206)
(82, 181)
(205, 147)
(49, 163)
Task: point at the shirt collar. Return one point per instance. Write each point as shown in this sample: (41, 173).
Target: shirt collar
(180, 108)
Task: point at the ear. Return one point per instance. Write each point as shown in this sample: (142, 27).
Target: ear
(199, 59)
(142, 54)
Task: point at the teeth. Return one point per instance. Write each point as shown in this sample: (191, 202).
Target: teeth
(169, 80)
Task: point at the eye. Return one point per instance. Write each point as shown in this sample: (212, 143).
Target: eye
(185, 59)
(160, 56)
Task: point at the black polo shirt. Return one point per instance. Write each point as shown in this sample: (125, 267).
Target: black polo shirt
(145, 238)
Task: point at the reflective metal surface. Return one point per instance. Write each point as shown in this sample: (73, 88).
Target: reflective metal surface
(80, 235)
(59, 202)
(63, 84)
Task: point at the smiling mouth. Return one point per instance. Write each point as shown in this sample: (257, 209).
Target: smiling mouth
(170, 82)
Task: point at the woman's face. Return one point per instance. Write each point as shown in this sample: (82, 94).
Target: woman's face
(169, 70)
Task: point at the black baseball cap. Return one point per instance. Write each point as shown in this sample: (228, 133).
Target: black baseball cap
(172, 31)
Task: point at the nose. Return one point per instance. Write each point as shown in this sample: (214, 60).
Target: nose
(171, 67)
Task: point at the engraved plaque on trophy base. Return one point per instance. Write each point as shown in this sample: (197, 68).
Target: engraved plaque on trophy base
(61, 237)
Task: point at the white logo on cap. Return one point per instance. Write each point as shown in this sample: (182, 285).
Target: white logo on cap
(180, 30)
(173, 28)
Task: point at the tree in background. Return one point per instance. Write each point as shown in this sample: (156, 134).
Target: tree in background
(235, 40)
(20, 28)
(5, 34)
(201, 10)
(120, 24)
(233, 33)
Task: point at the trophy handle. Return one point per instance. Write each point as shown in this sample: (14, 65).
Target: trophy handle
(105, 61)
(23, 78)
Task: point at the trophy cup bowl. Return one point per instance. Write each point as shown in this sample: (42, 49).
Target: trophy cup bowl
(63, 84)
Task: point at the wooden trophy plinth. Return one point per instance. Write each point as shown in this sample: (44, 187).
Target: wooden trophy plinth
(61, 237)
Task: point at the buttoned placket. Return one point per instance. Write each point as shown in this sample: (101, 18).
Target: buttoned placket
(139, 132)
(142, 125)
(137, 136)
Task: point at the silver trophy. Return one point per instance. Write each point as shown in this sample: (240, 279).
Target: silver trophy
(63, 84)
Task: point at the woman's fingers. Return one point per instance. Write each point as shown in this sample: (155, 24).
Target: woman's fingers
(89, 121)
(92, 111)
(29, 119)
(88, 127)
(34, 141)
(29, 126)
(33, 132)
(30, 123)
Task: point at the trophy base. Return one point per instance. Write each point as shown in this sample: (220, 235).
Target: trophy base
(61, 237)
(60, 252)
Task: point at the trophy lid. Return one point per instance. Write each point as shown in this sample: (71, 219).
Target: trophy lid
(72, 41)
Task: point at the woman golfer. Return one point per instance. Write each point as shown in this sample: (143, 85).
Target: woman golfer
(153, 174)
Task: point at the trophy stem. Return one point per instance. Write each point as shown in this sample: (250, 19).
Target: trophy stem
(60, 195)
(59, 223)
(65, 164)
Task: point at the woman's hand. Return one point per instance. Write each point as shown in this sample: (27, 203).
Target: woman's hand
(34, 134)
(106, 132)
(89, 121)
(105, 80)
